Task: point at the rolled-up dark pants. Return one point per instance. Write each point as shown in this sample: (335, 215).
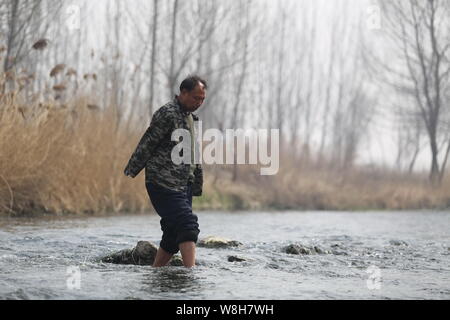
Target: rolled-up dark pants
(178, 222)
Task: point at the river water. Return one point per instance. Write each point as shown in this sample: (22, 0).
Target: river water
(368, 255)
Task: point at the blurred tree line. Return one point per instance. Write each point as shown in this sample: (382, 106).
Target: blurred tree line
(315, 71)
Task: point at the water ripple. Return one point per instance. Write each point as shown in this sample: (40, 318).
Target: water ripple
(412, 261)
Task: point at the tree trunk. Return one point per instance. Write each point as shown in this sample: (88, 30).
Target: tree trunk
(153, 58)
(235, 119)
(172, 77)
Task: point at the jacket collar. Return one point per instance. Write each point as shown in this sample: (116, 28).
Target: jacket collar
(180, 106)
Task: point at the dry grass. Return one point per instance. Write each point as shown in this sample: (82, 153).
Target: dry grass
(65, 160)
(310, 187)
(62, 159)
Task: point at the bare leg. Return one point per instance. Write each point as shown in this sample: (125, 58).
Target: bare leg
(188, 253)
(162, 258)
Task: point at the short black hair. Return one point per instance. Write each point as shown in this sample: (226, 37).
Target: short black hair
(191, 82)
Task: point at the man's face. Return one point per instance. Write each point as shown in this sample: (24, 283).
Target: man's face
(194, 99)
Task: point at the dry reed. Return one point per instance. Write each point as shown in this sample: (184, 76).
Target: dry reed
(70, 159)
(67, 160)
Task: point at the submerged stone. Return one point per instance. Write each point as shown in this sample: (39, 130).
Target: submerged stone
(176, 261)
(143, 254)
(398, 243)
(236, 259)
(304, 250)
(217, 242)
(320, 250)
(339, 253)
(297, 249)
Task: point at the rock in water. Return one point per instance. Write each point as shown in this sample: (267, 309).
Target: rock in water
(236, 259)
(297, 249)
(319, 250)
(176, 261)
(216, 242)
(301, 249)
(143, 255)
(398, 243)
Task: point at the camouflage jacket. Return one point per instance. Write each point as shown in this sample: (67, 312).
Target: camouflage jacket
(154, 152)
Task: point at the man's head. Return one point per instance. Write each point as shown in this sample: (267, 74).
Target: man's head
(192, 93)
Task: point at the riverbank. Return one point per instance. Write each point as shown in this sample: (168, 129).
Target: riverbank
(69, 160)
(309, 192)
(312, 188)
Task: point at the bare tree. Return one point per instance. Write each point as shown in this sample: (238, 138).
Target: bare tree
(242, 42)
(329, 80)
(172, 78)
(19, 21)
(419, 31)
(153, 56)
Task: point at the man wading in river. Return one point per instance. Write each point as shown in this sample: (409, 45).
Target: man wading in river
(171, 186)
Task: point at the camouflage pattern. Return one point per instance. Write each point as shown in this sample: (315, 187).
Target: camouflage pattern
(190, 121)
(153, 152)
